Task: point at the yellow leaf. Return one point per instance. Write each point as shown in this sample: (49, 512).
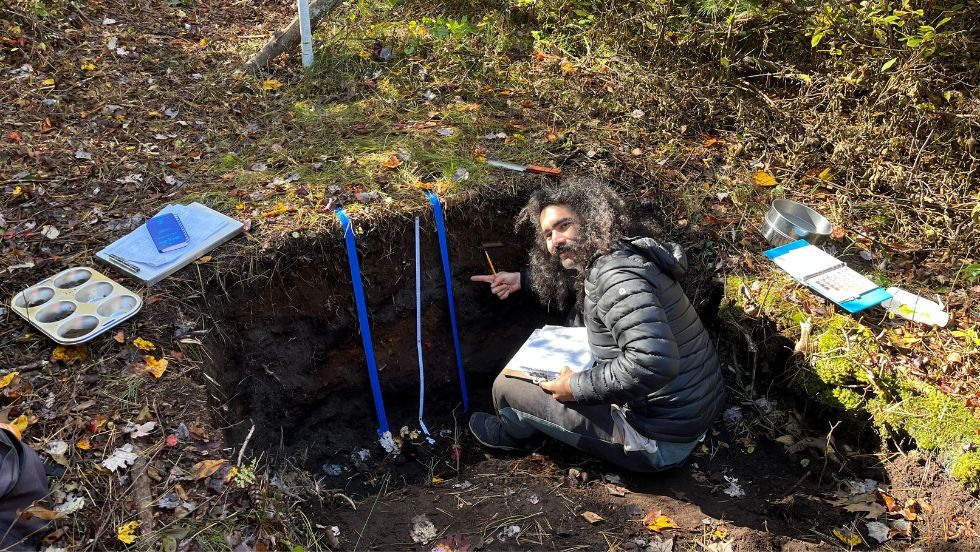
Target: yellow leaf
(155, 114)
(205, 468)
(5, 381)
(662, 522)
(240, 207)
(763, 179)
(436, 480)
(506, 92)
(143, 344)
(20, 423)
(83, 443)
(69, 353)
(848, 538)
(825, 174)
(203, 42)
(392, 162)
(275, 211)
(364, 54)
(88, 66)
(654, 520)
(271, 84)
(17, 191)
(231, 473)
(568, 68)
(47, 82)
(126, 534)
(156, 367)
(720, 534)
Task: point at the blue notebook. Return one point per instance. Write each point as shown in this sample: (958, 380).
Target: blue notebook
(167, 232)
(828, 276)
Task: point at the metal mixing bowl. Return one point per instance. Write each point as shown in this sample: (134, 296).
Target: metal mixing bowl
(787, 221)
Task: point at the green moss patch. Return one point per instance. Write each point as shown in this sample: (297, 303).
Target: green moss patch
(845, 373)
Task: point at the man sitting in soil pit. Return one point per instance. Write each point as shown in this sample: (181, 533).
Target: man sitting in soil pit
(655, 386)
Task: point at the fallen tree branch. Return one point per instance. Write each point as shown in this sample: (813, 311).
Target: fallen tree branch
(289, 37)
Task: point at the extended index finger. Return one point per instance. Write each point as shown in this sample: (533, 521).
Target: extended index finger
(488, 278)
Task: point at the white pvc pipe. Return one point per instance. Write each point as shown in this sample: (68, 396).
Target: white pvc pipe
(305, 34)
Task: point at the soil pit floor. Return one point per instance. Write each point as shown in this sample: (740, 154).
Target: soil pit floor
(723, 498)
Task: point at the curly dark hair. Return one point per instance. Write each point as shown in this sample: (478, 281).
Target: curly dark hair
(604, 222)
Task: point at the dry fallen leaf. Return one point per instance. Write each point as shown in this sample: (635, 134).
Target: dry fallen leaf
(889, 501)
(656, 521)
(5, 380)
(126, 533)
(271, 84)
(592, 517)
(143, 344)
(616, 490)
(120, 336)
(205, 468)
(20, 423)
(392, 162)
(156, 367)
(763, 179)
(70, 353)
(43, 513)
(847, 537)
(871, 509)
(83, 444)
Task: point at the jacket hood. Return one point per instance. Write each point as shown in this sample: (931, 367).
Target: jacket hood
(668, 256)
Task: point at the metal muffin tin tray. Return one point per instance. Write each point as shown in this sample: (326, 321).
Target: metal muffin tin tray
(76, 304)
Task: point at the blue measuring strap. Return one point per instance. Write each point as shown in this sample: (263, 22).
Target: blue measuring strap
(441, 229)
(355, 276)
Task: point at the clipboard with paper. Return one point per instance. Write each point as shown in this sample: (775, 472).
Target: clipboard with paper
(547, 350)
(828, 276)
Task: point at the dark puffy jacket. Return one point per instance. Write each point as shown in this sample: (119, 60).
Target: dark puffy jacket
(653, 356)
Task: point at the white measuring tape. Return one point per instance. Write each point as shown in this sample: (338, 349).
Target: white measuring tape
(418, 329)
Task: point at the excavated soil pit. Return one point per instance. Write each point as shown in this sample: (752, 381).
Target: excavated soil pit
(290, 358)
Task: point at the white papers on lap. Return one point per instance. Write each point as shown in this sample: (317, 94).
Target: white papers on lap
(550, 348)
(138, 247)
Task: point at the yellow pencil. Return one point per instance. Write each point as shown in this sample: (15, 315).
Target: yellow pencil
(491, 264)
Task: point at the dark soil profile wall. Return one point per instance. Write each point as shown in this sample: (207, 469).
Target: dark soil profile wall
(289, 357)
